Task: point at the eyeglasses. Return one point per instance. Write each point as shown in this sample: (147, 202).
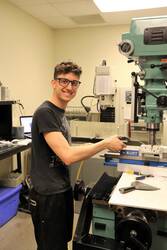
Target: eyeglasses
(64, 82)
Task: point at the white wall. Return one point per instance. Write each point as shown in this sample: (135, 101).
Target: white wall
(26, 55)
(29, 49)
(88, 47)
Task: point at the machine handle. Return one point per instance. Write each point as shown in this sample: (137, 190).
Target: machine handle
(162, 66)
(136, 84)
(125, 190)
(155, 65)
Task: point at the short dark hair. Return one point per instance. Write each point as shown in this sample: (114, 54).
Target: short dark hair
(67, 67)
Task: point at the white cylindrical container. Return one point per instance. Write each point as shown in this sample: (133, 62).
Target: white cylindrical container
(4, 93)
(18, 132)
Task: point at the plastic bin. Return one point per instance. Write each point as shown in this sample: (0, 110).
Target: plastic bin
(9, 201)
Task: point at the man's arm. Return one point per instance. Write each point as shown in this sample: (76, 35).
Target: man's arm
(71, 154)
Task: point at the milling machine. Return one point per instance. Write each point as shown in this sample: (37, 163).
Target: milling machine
(105, 91)
(127, 225)
(146, 46)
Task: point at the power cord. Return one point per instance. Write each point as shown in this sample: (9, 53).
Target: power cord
(21, 107)
(87, 109)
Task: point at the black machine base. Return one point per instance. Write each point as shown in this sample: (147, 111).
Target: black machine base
(94, 242)
(82, 239)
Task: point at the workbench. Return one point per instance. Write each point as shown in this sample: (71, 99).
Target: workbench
(154, 200)
(15, 150)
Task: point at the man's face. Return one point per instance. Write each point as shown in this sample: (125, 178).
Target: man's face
(65, 87)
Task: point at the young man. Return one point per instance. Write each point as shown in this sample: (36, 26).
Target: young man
(51, 199)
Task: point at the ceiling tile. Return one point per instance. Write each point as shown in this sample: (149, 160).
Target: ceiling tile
(42, 10)
(28, 2)
(62, 1)
(88, 19)
(59, 22)
(77, 8)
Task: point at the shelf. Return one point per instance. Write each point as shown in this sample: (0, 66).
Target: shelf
(7, 102)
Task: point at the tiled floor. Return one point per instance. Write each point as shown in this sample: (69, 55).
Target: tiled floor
(17, 234)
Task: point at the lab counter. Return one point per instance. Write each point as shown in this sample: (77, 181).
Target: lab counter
(144, 199)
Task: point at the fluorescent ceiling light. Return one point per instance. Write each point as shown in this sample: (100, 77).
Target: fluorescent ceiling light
(126, 5)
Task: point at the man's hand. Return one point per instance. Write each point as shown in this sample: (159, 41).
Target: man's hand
(114, 143)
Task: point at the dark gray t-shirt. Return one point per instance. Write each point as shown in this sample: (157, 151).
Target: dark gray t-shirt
(49, 174)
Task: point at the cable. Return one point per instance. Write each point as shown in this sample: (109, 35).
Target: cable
(87, 109)
(21, 107)
(97, 107)
(79, 170)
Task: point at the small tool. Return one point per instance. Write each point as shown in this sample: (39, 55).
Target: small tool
(124, 139)
(137, 185)
(142, 177)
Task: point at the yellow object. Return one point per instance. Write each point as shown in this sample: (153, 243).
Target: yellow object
(130, 171)
(79, 170)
